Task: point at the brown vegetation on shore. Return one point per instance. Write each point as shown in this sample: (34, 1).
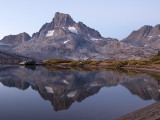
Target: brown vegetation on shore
(153, 63)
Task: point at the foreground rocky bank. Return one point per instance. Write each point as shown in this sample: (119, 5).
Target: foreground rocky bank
(151, 112)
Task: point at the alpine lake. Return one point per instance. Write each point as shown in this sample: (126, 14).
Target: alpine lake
(42, 93)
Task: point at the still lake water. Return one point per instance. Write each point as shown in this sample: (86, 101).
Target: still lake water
(40, 94)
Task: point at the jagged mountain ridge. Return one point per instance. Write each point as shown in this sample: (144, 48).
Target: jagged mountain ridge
(63, 38)
(15, 39)
(63, 24)
(147, 36)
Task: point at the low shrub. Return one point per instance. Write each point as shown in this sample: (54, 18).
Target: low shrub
(138, 62)
(74, 63)
(108, 61)
(132, 62)
(86, 61)
(54, 61)
(95, 63)
(142, 63)
(156, 58)
(157, 62)
(118, 63)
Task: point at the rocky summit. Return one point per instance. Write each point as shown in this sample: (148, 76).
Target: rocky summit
(15, 39)
(63, 38)
(147, 36)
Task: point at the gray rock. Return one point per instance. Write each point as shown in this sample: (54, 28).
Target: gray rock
(62, 20)
(147, 36)
(15, 39)
(7, 58)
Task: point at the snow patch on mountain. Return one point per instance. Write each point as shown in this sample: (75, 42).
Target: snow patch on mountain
(145, 45)
(72, 93)
(64, 81)
(5, 44)
(50, 33)
(49, 89)
(66, 41)
(150, 36)
(73, 30)
(93, 39)
(94, 84)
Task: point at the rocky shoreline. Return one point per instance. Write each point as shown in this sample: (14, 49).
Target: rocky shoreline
(151, 112)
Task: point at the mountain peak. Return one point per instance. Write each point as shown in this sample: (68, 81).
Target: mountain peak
(58, 14)
(62, 20)
(145, 27)
(63, 23)
(146, 36)
(16, 39)
(158, 25)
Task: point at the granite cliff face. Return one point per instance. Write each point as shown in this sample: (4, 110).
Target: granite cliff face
(8, 58)
(63, 38)
(147, 37)
(63, 24)
(7, 55)
(14, 40)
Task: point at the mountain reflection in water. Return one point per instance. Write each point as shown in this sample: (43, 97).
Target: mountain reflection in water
(62, 88)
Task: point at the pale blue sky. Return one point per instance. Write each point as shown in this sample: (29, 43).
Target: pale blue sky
(112, 18)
